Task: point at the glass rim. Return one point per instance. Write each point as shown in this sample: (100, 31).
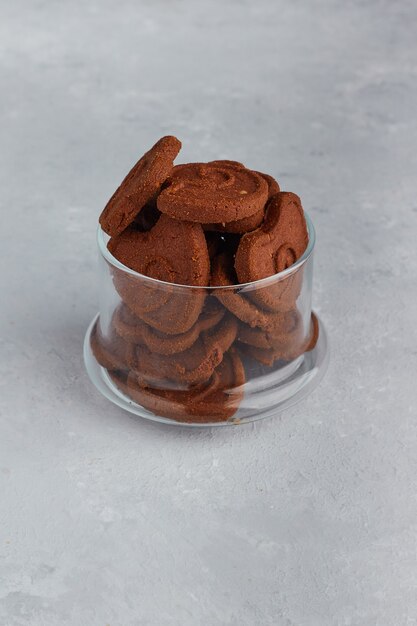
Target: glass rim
(255, 284)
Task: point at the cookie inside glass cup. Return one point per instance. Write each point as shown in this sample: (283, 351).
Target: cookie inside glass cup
(208, 288)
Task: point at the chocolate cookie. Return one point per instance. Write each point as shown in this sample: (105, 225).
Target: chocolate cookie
(140, 186)
(277, 244)
(173, 252)
(247, 224)
(214, 401)
(192, 366)
(212, 192)
(272, 248)
(135, 330)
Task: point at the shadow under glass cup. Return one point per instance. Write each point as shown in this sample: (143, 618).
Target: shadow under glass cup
(205, 356)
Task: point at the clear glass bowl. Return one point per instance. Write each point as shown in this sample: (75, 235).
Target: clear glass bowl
(205, 356)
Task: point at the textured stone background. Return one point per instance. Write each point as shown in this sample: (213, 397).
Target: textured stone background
(309, 519)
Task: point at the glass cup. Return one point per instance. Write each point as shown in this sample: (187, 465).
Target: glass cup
(205, 356)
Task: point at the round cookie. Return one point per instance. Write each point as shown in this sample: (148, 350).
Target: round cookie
(173, 252)
(112, 352)
(244, 309)
(133, 329)
(247, 224)
(212, 192)
(272, 248)
(191, 366)
(214, 401)
(140, 186)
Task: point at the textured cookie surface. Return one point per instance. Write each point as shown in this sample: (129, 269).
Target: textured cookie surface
(140, 185)
(212, 192)
(174, 252)
(171, 251)
(246, 224)
(277, 244)
(273, 247)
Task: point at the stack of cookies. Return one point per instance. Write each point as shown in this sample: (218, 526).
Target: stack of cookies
(175, 344)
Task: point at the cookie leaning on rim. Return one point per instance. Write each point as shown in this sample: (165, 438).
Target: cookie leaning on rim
(140, 186)
(246, 224)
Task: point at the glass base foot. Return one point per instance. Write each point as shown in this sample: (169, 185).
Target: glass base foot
(269, 390)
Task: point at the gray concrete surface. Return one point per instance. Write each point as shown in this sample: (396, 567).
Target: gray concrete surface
(309, 519)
